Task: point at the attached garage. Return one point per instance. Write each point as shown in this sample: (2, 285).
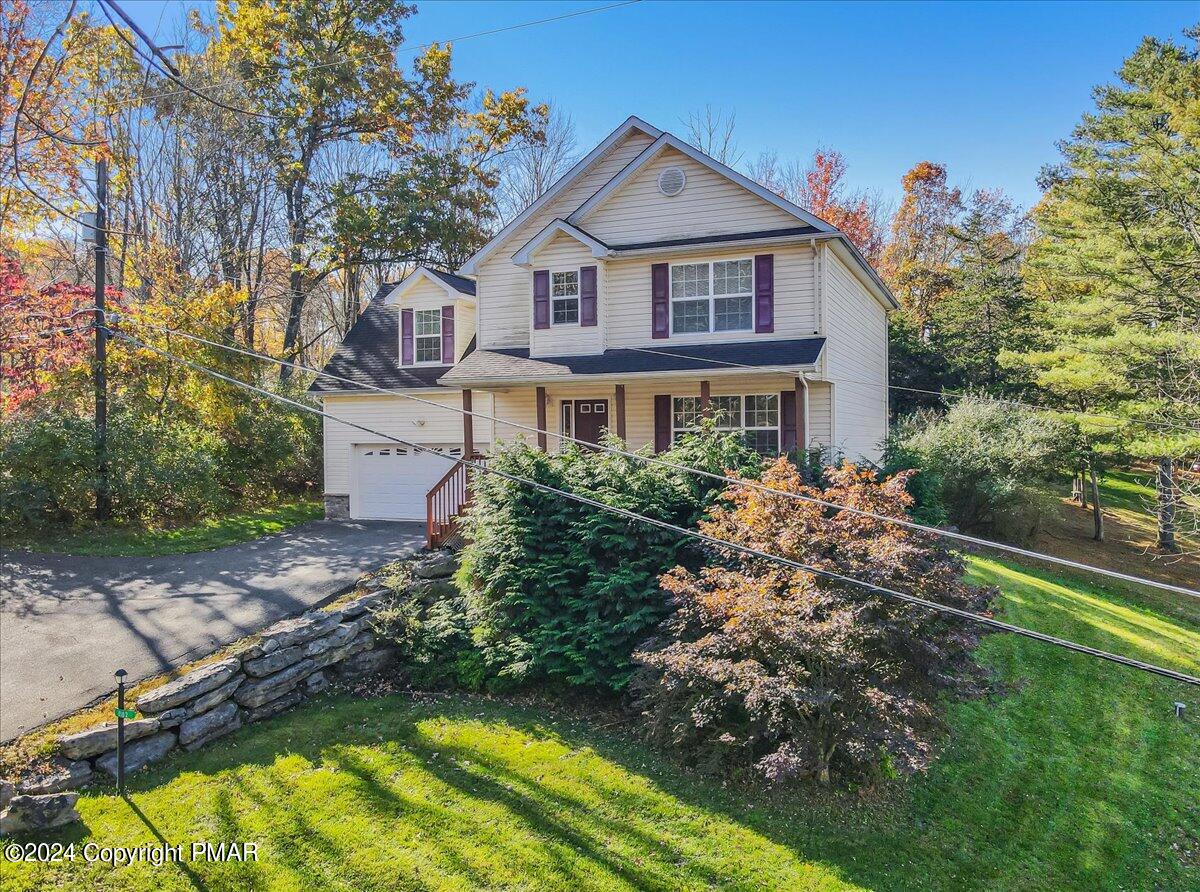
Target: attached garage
(390, 481)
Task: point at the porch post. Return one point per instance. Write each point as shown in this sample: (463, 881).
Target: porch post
(801, 415)
(704, 398)
(468, 427)
(541, 417)
(620, 411)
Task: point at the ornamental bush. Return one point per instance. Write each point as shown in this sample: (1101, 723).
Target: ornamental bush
(763, 669)
(557, 590)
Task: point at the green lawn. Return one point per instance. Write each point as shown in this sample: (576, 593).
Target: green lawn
(1075, 776)
(206, 535)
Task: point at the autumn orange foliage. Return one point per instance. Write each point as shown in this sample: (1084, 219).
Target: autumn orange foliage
(774, 670)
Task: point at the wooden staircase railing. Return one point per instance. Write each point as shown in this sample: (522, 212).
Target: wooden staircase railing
(446, 502)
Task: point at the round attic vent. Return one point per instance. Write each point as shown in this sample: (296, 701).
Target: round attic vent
(671, 181)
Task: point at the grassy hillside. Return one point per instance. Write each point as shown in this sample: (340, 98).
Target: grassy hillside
(1076, 775)
(1127, 500)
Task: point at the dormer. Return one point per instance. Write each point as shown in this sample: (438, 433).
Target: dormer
(437, 317)
(565, 282)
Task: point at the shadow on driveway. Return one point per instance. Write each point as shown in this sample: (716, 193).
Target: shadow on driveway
(68, 622)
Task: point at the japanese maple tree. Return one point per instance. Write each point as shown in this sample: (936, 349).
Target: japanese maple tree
(39, 338)
(779, 671)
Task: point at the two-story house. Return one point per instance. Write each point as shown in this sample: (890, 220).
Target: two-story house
(649, 285)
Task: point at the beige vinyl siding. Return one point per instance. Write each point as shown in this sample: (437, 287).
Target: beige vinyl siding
(423, 295)
(629, 303)
(819, 415)
(504, 290)
(709, 204)
(519, 403)
(855, 361)
(563, 253)
(397, 417)
(464, 326)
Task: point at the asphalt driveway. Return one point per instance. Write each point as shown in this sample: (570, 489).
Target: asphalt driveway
(68, 622)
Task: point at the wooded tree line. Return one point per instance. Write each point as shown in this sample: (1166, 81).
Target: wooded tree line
(304, 153)
(268, 174)
(1087, 302)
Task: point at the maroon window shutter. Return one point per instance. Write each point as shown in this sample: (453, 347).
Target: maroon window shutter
(448, 334)
(764, 293)
(787, 420)
(406, 337)
(662, 422)
(660, 294)
(587, 295)
(541, 298)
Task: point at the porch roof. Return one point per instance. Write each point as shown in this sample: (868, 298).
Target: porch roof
(514, 365)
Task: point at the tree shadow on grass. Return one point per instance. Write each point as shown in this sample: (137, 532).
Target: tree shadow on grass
(581, 824)
(196, 881)
(556, 821)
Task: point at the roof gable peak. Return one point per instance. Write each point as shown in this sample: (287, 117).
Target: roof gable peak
(669, 140)
(628, 126)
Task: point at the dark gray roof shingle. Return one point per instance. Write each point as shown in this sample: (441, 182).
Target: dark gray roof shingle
(370, 354)
(712, 239)
(514, 363)
(458, 283)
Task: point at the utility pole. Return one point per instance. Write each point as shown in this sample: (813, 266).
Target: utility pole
(100, 359)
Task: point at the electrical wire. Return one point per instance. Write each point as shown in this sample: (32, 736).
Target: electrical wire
(712, 541)
(939, 393)
(132, 100)
(166, 67)
(732, 481)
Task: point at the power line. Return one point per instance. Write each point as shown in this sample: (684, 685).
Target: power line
(939, 393)
(733, 481)
(171, 71)
(241, 82)
(406, 49)
(20, 112)
(980, 618)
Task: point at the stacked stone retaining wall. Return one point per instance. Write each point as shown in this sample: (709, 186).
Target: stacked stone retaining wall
(290, 660)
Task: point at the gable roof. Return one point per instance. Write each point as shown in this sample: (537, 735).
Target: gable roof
(663, 140)
(452, 284)
(553, 228)
(760, 235)
(629, 125)
(370, 354)
(459, 283)
(668, 140)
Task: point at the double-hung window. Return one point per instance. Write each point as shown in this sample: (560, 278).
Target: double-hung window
(716, 296)
(564, 298)
(427, 325)
(756, 416)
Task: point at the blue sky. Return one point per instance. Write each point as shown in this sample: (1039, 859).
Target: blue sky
(985, 88)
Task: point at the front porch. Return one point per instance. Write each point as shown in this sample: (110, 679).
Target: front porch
(778, 412)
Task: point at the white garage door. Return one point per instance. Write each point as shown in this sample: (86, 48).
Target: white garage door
(391, 481)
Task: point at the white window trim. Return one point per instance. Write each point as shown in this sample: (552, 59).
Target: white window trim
(417, 338)
(712, 312)
(740, 427)
(578, 271)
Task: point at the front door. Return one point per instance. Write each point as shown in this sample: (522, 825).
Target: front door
(588, 417)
